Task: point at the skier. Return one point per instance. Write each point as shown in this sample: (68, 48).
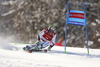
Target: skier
(46, 38)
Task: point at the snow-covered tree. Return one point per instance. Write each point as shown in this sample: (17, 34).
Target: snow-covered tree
(24, 19)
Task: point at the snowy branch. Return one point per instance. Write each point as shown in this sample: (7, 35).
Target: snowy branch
(8, 2)
(10, 12)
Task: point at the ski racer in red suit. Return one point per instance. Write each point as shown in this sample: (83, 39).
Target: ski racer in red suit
(46, 38)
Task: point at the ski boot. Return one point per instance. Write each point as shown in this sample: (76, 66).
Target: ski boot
(26, 48)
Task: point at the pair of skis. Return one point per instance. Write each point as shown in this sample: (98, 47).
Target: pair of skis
(30, 51)
(35, 50)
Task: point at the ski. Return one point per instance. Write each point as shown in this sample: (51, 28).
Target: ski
(30, 51)
(33, 50)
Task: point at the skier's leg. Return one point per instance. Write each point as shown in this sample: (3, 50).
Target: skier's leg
(48, 43)
(45, 44)
(29, 47)
(38, 43)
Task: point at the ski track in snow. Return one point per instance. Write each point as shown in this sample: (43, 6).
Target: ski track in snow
(13, 56)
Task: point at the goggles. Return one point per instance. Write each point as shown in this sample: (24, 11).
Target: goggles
(51, 30)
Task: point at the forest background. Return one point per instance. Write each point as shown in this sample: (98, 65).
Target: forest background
(22, 20)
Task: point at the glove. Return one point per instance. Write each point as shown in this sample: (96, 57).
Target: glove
(49, 48)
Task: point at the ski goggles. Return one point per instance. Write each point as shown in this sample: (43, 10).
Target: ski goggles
(51, 30)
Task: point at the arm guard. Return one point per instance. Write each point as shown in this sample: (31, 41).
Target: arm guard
(38, 37)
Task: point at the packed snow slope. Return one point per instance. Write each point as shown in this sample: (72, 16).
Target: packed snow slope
(12, 56)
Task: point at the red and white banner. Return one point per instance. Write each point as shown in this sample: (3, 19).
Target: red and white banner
(76, 15)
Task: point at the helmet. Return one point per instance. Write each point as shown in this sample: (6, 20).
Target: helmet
(51, 28)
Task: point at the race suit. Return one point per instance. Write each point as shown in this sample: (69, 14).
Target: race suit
(46, 39)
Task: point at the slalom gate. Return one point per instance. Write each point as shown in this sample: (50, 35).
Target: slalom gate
(76, 17)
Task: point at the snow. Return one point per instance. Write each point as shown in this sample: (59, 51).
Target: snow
(12, 56)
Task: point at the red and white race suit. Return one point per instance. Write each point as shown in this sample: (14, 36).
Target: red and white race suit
(46, 38)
